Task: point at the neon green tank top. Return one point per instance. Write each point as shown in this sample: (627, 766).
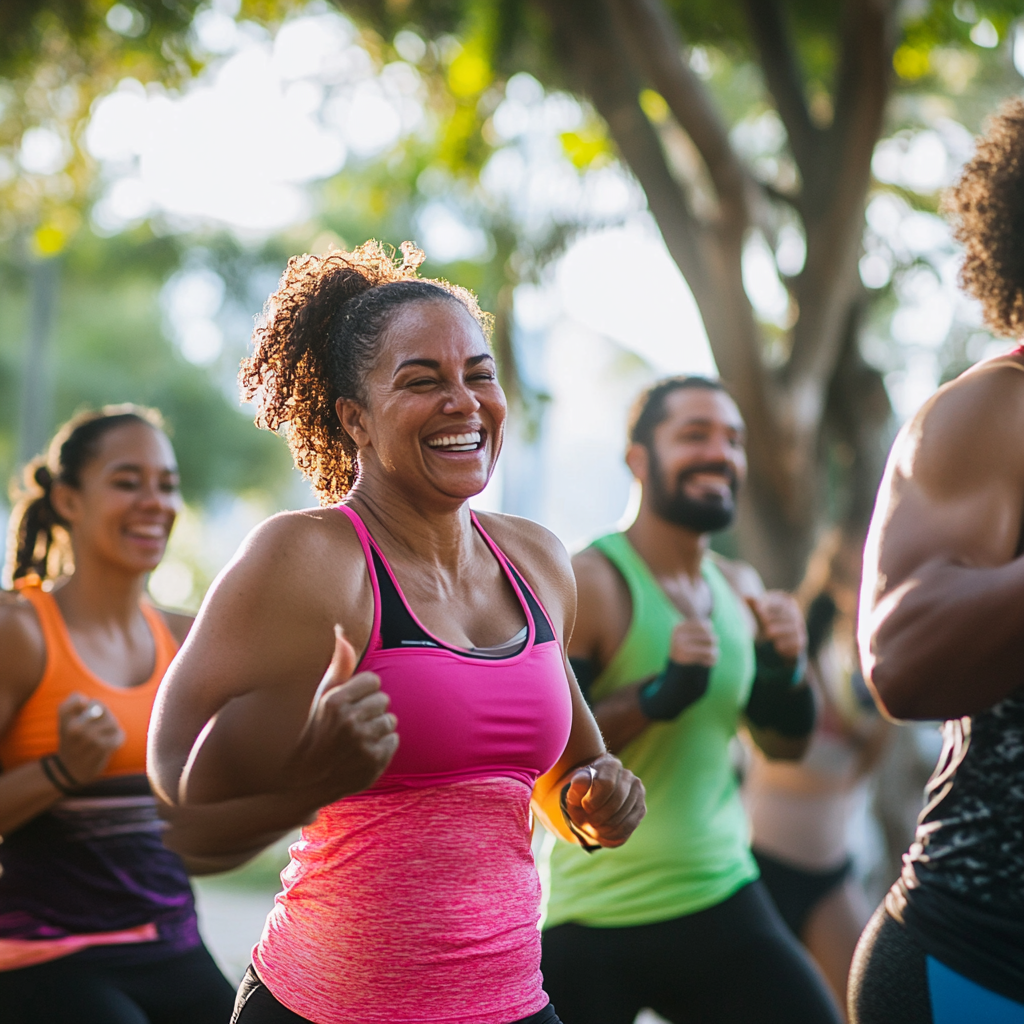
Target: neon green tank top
(692, 850)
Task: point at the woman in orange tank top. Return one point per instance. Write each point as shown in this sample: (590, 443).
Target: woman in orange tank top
(97, 919)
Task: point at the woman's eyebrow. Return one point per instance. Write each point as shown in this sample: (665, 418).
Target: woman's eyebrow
(134, 467)
(433, 364)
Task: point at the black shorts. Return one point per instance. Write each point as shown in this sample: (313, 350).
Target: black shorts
(797, 891)
(185, 988)
(733, 963)
(256, 1005)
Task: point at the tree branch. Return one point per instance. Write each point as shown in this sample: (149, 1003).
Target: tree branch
(594, 52)
(782, 74)
(654, 40)
(709, 259)
(834, 198)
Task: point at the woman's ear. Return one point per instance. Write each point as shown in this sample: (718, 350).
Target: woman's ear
(352, 416)
(66, 501)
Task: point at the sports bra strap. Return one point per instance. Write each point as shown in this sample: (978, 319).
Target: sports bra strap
(395, 624)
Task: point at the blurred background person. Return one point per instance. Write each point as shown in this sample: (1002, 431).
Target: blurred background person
(803, 813)
(677, 649)
(97, 922)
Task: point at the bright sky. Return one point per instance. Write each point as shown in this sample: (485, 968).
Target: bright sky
(268, 117)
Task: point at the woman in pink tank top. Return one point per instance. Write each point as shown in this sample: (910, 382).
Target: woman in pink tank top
(447, 709)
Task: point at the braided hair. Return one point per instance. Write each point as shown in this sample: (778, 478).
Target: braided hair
(39, 542)
(319, 336)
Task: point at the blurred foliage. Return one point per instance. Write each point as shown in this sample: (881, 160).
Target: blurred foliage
(58, 56)
(111, 348)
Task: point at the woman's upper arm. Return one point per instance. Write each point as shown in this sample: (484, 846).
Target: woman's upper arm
(251, 663)
(24, 656)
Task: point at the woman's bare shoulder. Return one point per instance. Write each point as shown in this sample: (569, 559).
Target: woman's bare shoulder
(293, 570)
(542, 559)
(529, 543)
(23, 646)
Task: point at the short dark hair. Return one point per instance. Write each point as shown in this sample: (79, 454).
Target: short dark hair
(649, 408)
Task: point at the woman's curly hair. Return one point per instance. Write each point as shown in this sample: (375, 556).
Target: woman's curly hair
(319, 336)
(986, 207)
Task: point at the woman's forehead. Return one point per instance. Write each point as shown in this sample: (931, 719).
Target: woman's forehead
(132, 443)
(432, 329)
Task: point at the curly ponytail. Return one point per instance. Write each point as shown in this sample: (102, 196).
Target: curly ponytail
(39, 542)
(319, 336)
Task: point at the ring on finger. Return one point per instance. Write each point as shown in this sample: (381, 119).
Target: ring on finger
(94, 711)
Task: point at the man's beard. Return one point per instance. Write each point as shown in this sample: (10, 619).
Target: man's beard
(702, 515)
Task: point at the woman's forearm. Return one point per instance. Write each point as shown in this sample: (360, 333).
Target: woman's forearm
(25, 792)
(948, 642)
(230, 832)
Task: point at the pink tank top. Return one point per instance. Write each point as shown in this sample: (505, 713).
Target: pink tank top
(417, 900)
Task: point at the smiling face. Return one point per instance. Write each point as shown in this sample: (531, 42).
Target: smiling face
(126, 500)
(434, 414)
(697, 461)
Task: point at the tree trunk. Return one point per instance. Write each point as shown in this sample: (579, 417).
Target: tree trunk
(823, 395)
(36, 414)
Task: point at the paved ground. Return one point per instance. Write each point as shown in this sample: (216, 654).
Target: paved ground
(231, 920)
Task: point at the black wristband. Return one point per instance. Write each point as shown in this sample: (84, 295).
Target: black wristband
(775, 670)
(668, 695)
(53, 767)
(580, 837)
(778, 698)
(59, 764)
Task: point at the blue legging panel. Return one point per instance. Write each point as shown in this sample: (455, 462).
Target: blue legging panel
(956, 999)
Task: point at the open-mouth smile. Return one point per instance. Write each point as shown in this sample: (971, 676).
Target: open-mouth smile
(467, 441)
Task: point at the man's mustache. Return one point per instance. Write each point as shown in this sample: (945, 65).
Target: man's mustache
(720, 468)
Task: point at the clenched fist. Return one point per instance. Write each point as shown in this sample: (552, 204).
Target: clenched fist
(349, 738)
(605, 801)
(694, 643)
(89, 735)
(779, 621)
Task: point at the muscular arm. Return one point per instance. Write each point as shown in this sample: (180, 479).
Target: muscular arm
(941, 628)
(231, 710)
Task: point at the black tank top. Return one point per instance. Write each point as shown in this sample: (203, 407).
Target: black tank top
(961, 892)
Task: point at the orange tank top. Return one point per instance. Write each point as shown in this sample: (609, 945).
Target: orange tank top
(34, 731)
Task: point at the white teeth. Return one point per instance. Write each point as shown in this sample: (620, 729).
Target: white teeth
(456, 442)
(149, 532)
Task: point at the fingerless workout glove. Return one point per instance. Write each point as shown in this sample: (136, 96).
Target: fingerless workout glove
(668, 695)
(778, 698)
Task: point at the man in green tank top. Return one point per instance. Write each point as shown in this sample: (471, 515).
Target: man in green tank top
(676, 649)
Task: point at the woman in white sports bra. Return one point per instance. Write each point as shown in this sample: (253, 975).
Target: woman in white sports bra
(800, 812)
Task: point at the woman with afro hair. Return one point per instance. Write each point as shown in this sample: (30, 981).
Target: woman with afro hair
(388, 669)
(942, 637)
